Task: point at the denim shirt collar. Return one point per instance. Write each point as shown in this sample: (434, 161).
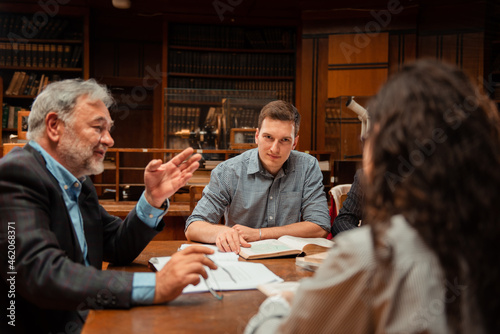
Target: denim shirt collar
(67, 181)
(255, 165)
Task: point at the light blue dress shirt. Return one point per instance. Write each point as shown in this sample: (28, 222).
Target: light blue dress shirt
(143, 284)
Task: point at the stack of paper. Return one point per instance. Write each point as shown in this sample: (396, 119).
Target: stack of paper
(230, 275)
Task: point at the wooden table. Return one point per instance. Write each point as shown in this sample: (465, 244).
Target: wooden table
(190, 313)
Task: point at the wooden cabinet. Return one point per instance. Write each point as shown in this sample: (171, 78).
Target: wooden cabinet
(357, 64)
(35, 49)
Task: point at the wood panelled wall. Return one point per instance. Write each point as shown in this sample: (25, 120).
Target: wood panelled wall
(465, 49)
(357, 64)
(326, 73)
(314, 67)
(402, 48)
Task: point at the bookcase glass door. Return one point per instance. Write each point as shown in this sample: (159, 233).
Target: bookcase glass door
(204, 118)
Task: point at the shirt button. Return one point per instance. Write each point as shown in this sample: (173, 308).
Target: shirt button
(270, 217)
(65, 187)
(151, 215)
(76, 185)
(271, 197)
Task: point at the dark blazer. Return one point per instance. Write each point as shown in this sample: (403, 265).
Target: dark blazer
(352, 209)
(53, 288)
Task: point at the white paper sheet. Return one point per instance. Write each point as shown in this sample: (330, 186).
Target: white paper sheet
(230, 275)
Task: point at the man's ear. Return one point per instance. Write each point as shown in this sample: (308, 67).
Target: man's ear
(256, 136)
(295, 142)
(53, 126)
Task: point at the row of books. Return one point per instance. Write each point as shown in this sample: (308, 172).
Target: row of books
(180, 118)
(242, 64)
(211, 36)
(215, 96)
(40, 55)
(332, 129)
(9, 116)
(19, 26)
(242, 117)
(283, 90)
(29, 84)
(332, 113)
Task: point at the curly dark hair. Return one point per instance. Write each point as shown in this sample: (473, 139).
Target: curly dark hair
(435, 148)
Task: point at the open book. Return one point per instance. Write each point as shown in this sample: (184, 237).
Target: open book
(285, 245)
(231, 274)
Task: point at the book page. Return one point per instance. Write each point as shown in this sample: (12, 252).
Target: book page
(300, 243)
(217, 255)
(268, 246)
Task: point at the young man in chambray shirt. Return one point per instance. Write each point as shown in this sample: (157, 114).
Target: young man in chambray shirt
(265, 192)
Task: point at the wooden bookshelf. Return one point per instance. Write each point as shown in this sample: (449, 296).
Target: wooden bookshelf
(31, 59)
(205, 57)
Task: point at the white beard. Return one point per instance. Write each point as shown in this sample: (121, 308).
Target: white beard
(78, 157)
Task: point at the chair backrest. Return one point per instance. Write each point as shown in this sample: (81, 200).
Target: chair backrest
(339, 194)
(195, 193)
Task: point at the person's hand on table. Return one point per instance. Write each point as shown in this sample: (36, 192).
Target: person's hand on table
(248, 233)
(229, 240)
(184, 268)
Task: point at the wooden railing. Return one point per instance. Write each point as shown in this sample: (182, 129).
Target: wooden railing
(167, 154)
(162, 153)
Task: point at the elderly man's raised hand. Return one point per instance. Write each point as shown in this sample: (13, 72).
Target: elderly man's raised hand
(162, 180)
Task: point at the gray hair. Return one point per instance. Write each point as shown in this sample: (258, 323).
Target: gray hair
(61, 97)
